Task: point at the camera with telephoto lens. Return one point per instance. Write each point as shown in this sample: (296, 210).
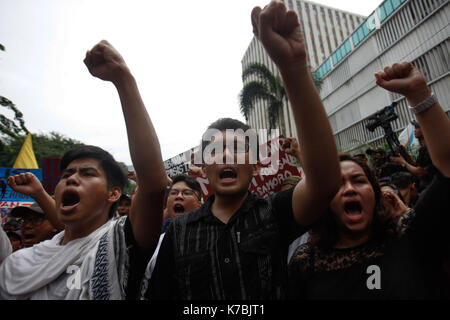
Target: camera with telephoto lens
(382, 118)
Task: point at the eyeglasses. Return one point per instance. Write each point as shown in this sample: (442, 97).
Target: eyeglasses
(34, 220)
(186, 193)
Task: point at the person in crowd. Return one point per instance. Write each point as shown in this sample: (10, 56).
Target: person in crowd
(407, 184)
(95, 257)
(183, 196)
(290, 182)
(5, 245)
(11, 225)
(423, 169)
(34, 226)
(16, 240)
(235, 246)
(355, 255)
(291, 146)
(393, 203)
(361, 156)
(195, 170)
(124, 205)
(382, 166)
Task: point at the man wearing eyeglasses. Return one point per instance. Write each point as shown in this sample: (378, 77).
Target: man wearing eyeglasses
(184, 195)
(34, 226)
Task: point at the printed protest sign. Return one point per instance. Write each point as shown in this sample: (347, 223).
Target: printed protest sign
(9, 198)
(276, 166)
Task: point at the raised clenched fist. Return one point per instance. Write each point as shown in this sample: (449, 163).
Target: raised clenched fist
(280, 34)
(105, 62)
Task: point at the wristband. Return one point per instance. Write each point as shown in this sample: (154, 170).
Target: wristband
(424, 105)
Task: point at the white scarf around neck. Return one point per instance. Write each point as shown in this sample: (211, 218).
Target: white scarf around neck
(30, 273)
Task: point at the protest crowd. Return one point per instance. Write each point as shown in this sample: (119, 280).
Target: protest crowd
(367, 225)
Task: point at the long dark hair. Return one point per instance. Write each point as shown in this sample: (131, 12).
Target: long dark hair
(324, 233)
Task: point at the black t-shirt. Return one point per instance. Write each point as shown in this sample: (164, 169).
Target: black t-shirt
(404, 264)
(424, 161)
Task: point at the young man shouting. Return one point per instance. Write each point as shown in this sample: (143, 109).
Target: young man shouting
(235, 246)
(95, 257)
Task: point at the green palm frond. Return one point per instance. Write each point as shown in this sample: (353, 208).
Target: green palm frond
(251, 91)
(274, 83)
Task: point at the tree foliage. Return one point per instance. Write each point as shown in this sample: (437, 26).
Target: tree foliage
(266, 86)
(8, 126)
(52, 145)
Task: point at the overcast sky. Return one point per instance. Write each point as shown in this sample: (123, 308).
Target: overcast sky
(185, 55)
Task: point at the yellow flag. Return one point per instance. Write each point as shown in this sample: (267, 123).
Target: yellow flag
(26, 158)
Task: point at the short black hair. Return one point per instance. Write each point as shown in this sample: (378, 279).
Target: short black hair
(115, 176)
(223, 124)
(402, 179)
(190, 181)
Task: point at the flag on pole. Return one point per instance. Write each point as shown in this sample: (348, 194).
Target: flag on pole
(26, 158)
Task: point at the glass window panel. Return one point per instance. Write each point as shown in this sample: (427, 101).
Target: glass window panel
(396, 4)
(347, 46)
(382, 13)
(388, 7)
(355, 39)
(360, 34)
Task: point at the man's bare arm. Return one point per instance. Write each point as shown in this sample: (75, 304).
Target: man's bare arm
(279, 32)
(405, 79)
(27, 183)
(104, 62)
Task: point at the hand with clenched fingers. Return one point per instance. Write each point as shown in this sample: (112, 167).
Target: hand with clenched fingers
(279, 32)
(405, 79)
(105, 62)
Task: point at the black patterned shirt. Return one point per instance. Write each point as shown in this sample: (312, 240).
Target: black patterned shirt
(245, 259)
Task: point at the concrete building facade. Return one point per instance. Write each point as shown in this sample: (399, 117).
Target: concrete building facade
(398, 30)
(325, 30)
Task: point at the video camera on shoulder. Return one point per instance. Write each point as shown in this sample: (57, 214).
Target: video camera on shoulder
(382, 118)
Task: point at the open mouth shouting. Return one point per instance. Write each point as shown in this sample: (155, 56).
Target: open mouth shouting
(70, 200)
(28, 238)
(178, 208)
(228, 175)
(353, 211)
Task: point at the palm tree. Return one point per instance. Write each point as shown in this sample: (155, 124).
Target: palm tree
(267, 87)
